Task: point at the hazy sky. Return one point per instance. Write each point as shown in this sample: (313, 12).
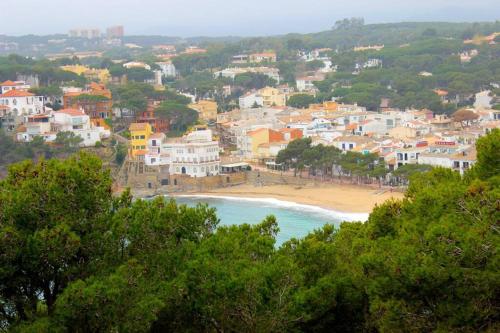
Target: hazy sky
(227, 17)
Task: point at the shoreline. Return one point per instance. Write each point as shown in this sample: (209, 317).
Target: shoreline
(327, 211)
(343, 199)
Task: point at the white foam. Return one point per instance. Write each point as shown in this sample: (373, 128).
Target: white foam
(342, 216)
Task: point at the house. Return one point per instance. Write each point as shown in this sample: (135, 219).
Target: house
(96, 101)
(40, 125)
(167, 69)
(272, 97)
(459, 161)
(194, 50)
(483, 100)
(149, 116)
(442, 94)
(17, 104)
(368, 48)
(240, 59)
(262, 57)
(251, 99)
(408, 155)
(231, 73)
(195, 154)
(347, 143)
(137, 64)
(155, 154)
(79, 123)
(13, 85)
(139, 135)
(207, 109)
(92, 74)
(270, 150)
(290, 134)
(67, 120)
(255, 138)
(306, 83)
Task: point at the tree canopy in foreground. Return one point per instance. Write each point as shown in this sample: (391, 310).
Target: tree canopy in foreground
(73, 258)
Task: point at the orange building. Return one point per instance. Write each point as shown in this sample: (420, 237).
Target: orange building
(158, 125)
(96, 101)
(290, 134)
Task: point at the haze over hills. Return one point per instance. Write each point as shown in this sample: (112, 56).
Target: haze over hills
(218, 18)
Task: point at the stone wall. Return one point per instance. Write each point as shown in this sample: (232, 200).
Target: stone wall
(153, 180)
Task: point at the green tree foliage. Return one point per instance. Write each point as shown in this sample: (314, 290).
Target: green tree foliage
(48, 72)
(488, 156)
(68, 140)
(301, 101)
(11, 151)
(293, 155)
(121, 153)
(72, 256)
(51, 230)
(181, 117)
(253, 81)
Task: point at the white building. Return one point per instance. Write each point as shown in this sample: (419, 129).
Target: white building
(306, 83)
(460, 161)
(167, 69)
(22, 103)
(231, 73)
(13, 85)
(195, 155)
(137, 64)
(67, 120)
(251, 99)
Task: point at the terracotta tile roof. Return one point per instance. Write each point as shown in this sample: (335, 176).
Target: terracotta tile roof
(17, 93)
(72, 112)
(9, 83)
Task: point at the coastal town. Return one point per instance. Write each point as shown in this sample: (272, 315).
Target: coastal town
(253, 167)
(179, 136)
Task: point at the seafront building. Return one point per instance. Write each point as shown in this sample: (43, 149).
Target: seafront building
(196, 154)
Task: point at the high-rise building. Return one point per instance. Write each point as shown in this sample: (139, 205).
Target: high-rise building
(85, 33)
(115, 32)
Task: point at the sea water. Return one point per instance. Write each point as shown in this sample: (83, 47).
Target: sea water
(294, 220)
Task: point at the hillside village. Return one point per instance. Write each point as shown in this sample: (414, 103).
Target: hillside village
(248, 110)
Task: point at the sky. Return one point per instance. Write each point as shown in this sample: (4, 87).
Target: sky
(187, 18)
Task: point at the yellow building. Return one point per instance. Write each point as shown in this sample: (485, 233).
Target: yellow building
(258, 137)
(272, 97)
(139, 135)
(207, 109)
(93, 74)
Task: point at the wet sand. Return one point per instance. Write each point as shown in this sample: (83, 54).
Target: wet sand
(344, 198)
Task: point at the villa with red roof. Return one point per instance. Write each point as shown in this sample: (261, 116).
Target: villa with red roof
(20, 104)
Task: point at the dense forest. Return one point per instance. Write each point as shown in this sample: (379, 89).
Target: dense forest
(74, 258)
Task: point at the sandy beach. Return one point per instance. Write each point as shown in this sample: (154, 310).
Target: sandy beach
(344, 198)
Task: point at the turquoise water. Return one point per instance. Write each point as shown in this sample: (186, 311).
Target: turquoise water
(294, 220)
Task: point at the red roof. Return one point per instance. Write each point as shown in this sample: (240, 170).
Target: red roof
(9, 83)
(16, 93)
(72, 112)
